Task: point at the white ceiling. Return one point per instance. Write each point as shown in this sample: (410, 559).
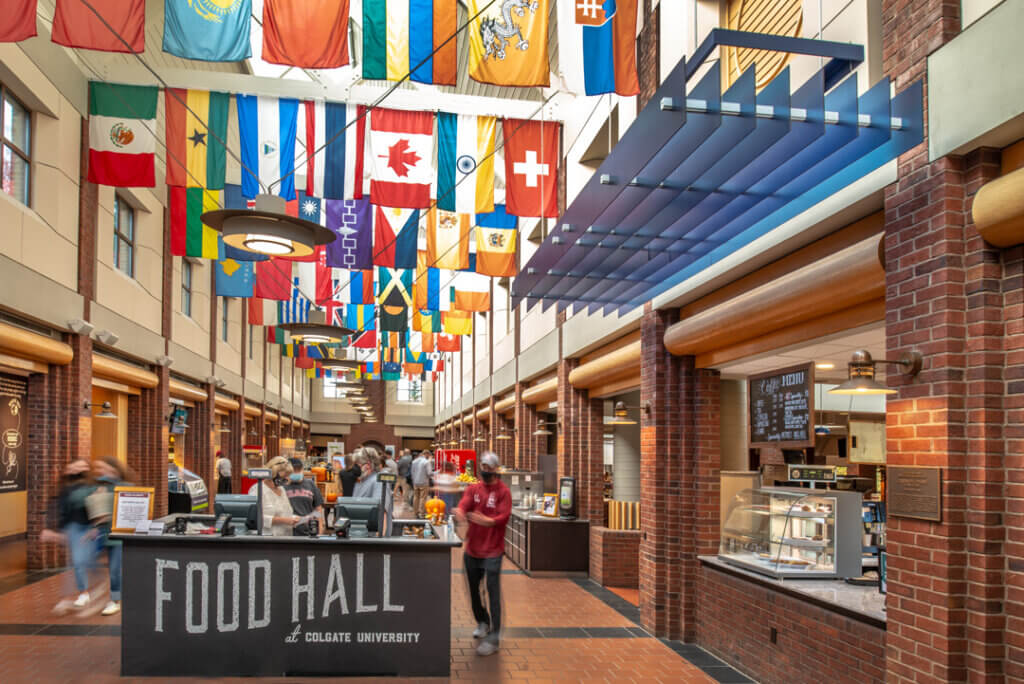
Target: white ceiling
(836, 349)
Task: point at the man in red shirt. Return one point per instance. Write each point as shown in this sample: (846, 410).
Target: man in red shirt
(485, 508)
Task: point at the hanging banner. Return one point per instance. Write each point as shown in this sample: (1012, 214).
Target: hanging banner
(13, 429)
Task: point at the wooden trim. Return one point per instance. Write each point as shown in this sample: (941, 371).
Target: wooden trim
(872, 225)
(112, 369)
(505, 405)
(285, 420)
(610, 347)
(853, 317)
(998, 210)
(251, 410)
(610, 389)
(847, 278)
(272, 417)
(218, 411)
(484, 414)
(23, 364)
(542, 393)
(621, 363)
(225, 403)
(116, 386)
(32, 346)
(183, 390)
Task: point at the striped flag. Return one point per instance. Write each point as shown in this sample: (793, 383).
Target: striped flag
(427, 285)
(122, 143)
(496, 243)
(262, 311)
(361, 317)
(399, 35)
(339, 170)
(601, 38)
(394, 237)
(447, 240)
(465, 162)
(296, 308)
(457, 322)
(359, 288)
(267, 127)
(471, 292)
(196, 131)
(189, 235)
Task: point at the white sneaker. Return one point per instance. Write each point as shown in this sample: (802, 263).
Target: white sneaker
(112, 608)
(482, 630)
(82, 601)
(63, 607)
(486, 648)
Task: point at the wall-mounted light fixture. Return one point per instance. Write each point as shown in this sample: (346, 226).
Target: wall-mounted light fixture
(542, 429)
(861, 371)
(105, 409)
(620, 415)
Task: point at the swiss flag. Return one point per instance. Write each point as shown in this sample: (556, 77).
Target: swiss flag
(531, 167)
(402, 145)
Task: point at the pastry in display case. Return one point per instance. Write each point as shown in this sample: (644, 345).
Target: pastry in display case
(794, 532)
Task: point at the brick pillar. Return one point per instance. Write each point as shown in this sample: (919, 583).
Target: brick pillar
(200, 451)
(567, 447)
(232, 442)
(148, 438)
(273, 432)
(590, 481)
(648, 60)
(59, 431)
(519, 421)
(1013, 317)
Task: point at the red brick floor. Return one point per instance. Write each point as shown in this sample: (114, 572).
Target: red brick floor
(543, 603)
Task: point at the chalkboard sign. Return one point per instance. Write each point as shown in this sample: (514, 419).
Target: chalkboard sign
(781, 408)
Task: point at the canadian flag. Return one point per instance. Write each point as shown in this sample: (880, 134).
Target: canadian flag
(402, 145)
(531, 167)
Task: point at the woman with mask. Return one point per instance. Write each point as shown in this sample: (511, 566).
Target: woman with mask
(110, 473)
(305, 498)
(72, 526)
(278, 516)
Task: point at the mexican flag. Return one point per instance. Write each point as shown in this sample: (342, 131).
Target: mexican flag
(122, 120)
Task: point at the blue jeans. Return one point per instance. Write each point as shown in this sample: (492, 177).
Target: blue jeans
(83, 553)
(114, 551)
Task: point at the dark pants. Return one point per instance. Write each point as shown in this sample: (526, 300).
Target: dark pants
(476, 568)
(224, 485)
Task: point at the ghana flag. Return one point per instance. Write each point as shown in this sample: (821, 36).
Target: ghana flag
(196, 131)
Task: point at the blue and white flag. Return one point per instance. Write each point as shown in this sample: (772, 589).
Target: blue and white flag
(234, 278)
(267, 127)
(296, 309)
(208, 30)
(600, 36)
(337, 171)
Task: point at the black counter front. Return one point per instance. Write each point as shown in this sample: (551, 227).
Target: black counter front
(271, 606)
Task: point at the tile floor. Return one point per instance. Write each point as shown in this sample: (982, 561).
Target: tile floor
(564, 630)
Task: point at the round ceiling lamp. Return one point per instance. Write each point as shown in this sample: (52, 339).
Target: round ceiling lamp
(315, 330)
(340, 364)
(268, 229)
(861, 373)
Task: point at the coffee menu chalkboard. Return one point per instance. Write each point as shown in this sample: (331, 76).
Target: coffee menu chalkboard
(781, 408)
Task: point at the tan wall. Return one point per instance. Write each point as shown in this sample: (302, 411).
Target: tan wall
(13, 514)
(229, 354)
(192, 332)
(254, 366)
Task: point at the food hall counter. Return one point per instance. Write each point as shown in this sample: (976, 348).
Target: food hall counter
(209, 606)
(548, 546)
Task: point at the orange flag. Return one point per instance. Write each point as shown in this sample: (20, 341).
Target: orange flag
(312, 34)
(76, 25)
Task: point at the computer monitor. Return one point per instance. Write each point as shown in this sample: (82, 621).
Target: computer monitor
(239, 506)
(358, 510)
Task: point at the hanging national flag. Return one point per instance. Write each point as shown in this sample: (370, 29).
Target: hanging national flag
(296, 308)
(394, 319)
(448, 343)
(122, 147)
(234, 278)
(603, 32)
(400, 34)
(306, 207)
(394, 287)
(496, 243)
(426, 287)
(315, 278)
(531, 167)
(426, 321)
(394, 237)
(352, 223)
(391, 371)
(19, 21)
(360, 317)
(403, 146)
(273, 280)
(509, 48)
(465, 162)
(276, 335)
(108, 25)
(427, 342)
(338, 170)
(457, 322)
(472, 292)
(447, 240)
(267, 127)
(189, 235)
(262, 311)
(368, 340)
(359, 288)
(312, 34)
(208, 30)
(196, 133)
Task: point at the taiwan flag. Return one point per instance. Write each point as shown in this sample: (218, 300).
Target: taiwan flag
(604, 33)
(402, 145)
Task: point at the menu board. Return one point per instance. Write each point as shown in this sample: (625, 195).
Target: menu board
(781, 408)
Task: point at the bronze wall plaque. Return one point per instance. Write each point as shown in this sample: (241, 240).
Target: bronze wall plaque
(914, 492)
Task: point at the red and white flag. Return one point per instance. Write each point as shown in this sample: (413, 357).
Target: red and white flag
(531, 167)
(403, 147)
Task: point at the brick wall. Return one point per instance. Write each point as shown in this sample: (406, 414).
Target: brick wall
(148, 438)
(379, 431)
(648, 60)
(88, 217)
(614, 557)
(735, 617)
(231, 444)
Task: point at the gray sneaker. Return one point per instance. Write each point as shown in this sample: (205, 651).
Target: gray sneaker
(486, 648)
(482, 630)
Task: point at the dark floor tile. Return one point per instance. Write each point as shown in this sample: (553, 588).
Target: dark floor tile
(521, 633)
(20, 629)
(563, 632)
(726, 675)
(67, 630)
(609, 632)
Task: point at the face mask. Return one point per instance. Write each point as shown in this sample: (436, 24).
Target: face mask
(105, 478)
(280, 481)
(295, 477)
(488, 477)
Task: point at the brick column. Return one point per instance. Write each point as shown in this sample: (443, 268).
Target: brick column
(148, 437)
(590, 481)
(272, 445)
(232, 442)
(568, 456)
(59, 431)
(200, 451)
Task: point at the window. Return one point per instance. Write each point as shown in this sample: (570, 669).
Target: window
(124, 237)
(186, 287)
(331, 389)
(251, 342)
(409, 391)
(15, 147)
(224, 318)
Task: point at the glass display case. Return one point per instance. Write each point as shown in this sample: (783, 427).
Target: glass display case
(794, 532)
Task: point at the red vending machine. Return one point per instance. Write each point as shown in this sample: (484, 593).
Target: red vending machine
(461, 458)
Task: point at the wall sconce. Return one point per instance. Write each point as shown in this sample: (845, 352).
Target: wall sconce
(620, 415)
(542, 429)
(105, 409)
(861, 371)
(505, 434)
(480, 438)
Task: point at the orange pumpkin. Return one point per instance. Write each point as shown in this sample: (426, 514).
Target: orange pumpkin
(332, 497)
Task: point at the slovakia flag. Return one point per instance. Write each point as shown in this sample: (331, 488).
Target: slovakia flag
(604, 32)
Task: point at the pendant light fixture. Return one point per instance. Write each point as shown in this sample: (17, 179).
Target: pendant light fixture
(268, 229)
(861, 371)
(340, 364)
(620, 415)
(105, 410)
(542, 429)
(315, 330)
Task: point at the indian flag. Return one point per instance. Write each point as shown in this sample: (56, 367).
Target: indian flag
(122, 148)
(401, 35)
(465, 162)
(189, 236)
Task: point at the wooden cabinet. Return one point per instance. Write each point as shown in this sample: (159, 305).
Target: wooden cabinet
(539, 544)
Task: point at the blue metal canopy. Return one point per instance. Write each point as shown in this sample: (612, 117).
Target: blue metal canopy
(698, 176)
